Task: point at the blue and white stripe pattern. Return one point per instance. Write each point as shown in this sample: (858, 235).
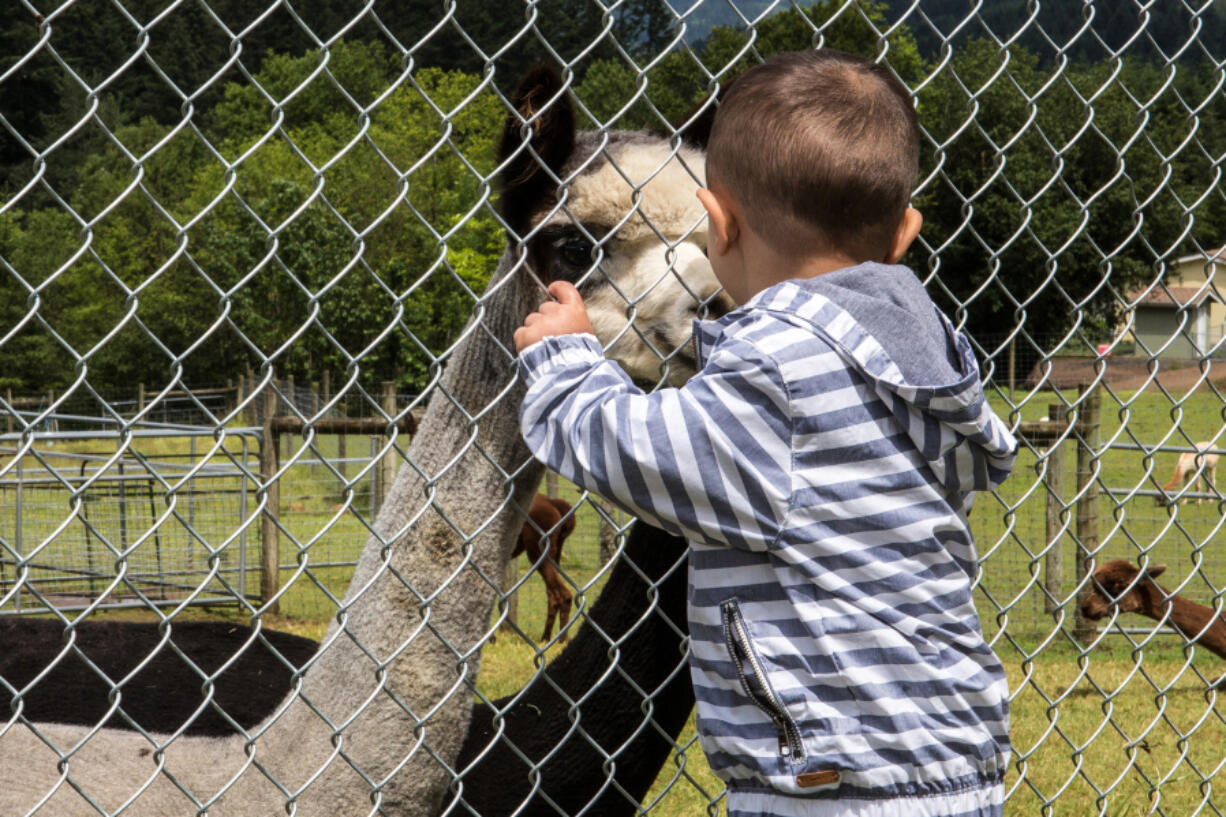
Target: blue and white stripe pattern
(835, 649)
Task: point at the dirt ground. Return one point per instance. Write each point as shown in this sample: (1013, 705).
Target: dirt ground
(1129, 373)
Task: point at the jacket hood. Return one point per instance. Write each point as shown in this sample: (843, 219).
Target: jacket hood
(880, 320)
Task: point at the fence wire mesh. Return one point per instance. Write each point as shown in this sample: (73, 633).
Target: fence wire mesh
(258, 270)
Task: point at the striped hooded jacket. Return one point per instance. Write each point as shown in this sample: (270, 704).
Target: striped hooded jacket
(822, 465)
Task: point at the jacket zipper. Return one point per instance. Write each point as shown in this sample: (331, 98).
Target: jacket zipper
(764, 697)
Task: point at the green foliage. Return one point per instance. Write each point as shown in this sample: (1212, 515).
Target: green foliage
(197, 267)
(1056, 202)
(308, 215)
(617, 93)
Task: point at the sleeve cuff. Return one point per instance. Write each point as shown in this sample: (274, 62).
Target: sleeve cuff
(556, 352)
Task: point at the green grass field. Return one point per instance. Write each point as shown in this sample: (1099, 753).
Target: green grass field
(1121, 727)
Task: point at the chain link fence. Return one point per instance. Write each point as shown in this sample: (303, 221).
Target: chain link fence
(259, 263)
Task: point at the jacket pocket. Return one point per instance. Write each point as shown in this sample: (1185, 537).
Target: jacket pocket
(754, 681)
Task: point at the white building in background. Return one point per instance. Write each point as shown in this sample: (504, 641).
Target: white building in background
(1194, 286)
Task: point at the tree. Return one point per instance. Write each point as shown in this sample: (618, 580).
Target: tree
(672, 89)
(1054, 203)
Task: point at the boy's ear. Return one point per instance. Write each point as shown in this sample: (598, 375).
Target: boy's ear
(722, 229)
(908, 229)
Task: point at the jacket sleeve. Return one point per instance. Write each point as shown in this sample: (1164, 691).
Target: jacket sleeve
(710, 461)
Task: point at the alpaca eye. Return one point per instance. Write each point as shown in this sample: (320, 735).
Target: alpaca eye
(575, 251)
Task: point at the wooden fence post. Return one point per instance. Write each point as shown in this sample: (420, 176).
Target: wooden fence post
(315, 457)
(1053, 561)
(1012, 367)
(341, 466)
(253, 416)
(270, 540)
(387, 466)
(1089, 413)
(291, 402)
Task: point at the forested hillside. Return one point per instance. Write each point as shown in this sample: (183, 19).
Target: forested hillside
(315, 190)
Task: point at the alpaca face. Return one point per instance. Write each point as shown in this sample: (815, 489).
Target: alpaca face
(632, 236)
(616, 214)
(1118, 580)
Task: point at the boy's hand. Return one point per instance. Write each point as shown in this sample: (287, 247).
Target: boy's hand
(565, 316)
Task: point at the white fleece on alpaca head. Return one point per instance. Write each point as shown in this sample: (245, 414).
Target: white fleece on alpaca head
(657, 285)
(661, 179)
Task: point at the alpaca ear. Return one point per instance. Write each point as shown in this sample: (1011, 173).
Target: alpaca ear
(537, 139)
(1155, 571)
(695, 126)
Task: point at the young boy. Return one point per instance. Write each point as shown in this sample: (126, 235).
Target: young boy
(821, 464)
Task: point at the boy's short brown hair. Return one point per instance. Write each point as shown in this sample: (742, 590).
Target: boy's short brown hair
(820, 149)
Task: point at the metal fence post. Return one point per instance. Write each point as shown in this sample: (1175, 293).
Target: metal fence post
(242, 520)
(270, 540)
(17, 510)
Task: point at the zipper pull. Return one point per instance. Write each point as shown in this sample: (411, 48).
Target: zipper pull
(785, 748)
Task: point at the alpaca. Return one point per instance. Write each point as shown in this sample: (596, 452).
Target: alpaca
(163, 676)
(1120, 584)
(641, 609)
(161, 690)
(1186, 468)
(549, 518)
(586, 718)
(375, 720)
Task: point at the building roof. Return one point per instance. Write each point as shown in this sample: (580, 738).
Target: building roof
(1217, 256)
(1175, 297)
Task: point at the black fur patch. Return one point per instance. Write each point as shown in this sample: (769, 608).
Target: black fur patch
(166, 690)
(651, 657)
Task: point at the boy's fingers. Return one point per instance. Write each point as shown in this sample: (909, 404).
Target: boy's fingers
(565, 292)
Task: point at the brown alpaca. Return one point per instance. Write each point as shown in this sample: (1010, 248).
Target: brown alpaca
(549, 517)
(1200, 624)
(1187, 467)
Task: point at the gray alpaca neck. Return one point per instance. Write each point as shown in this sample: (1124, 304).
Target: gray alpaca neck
(384, 705)
(431, 593)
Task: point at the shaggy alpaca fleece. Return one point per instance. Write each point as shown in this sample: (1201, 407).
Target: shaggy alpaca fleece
(642, 608)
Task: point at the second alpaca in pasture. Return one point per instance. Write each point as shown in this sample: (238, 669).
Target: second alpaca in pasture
(549, 521)
(1128, 590)
(1187, 467)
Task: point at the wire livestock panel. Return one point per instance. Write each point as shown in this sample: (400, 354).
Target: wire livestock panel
(123, 517)
(311, 201)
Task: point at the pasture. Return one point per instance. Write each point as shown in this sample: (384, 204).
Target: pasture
(1123, 725)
